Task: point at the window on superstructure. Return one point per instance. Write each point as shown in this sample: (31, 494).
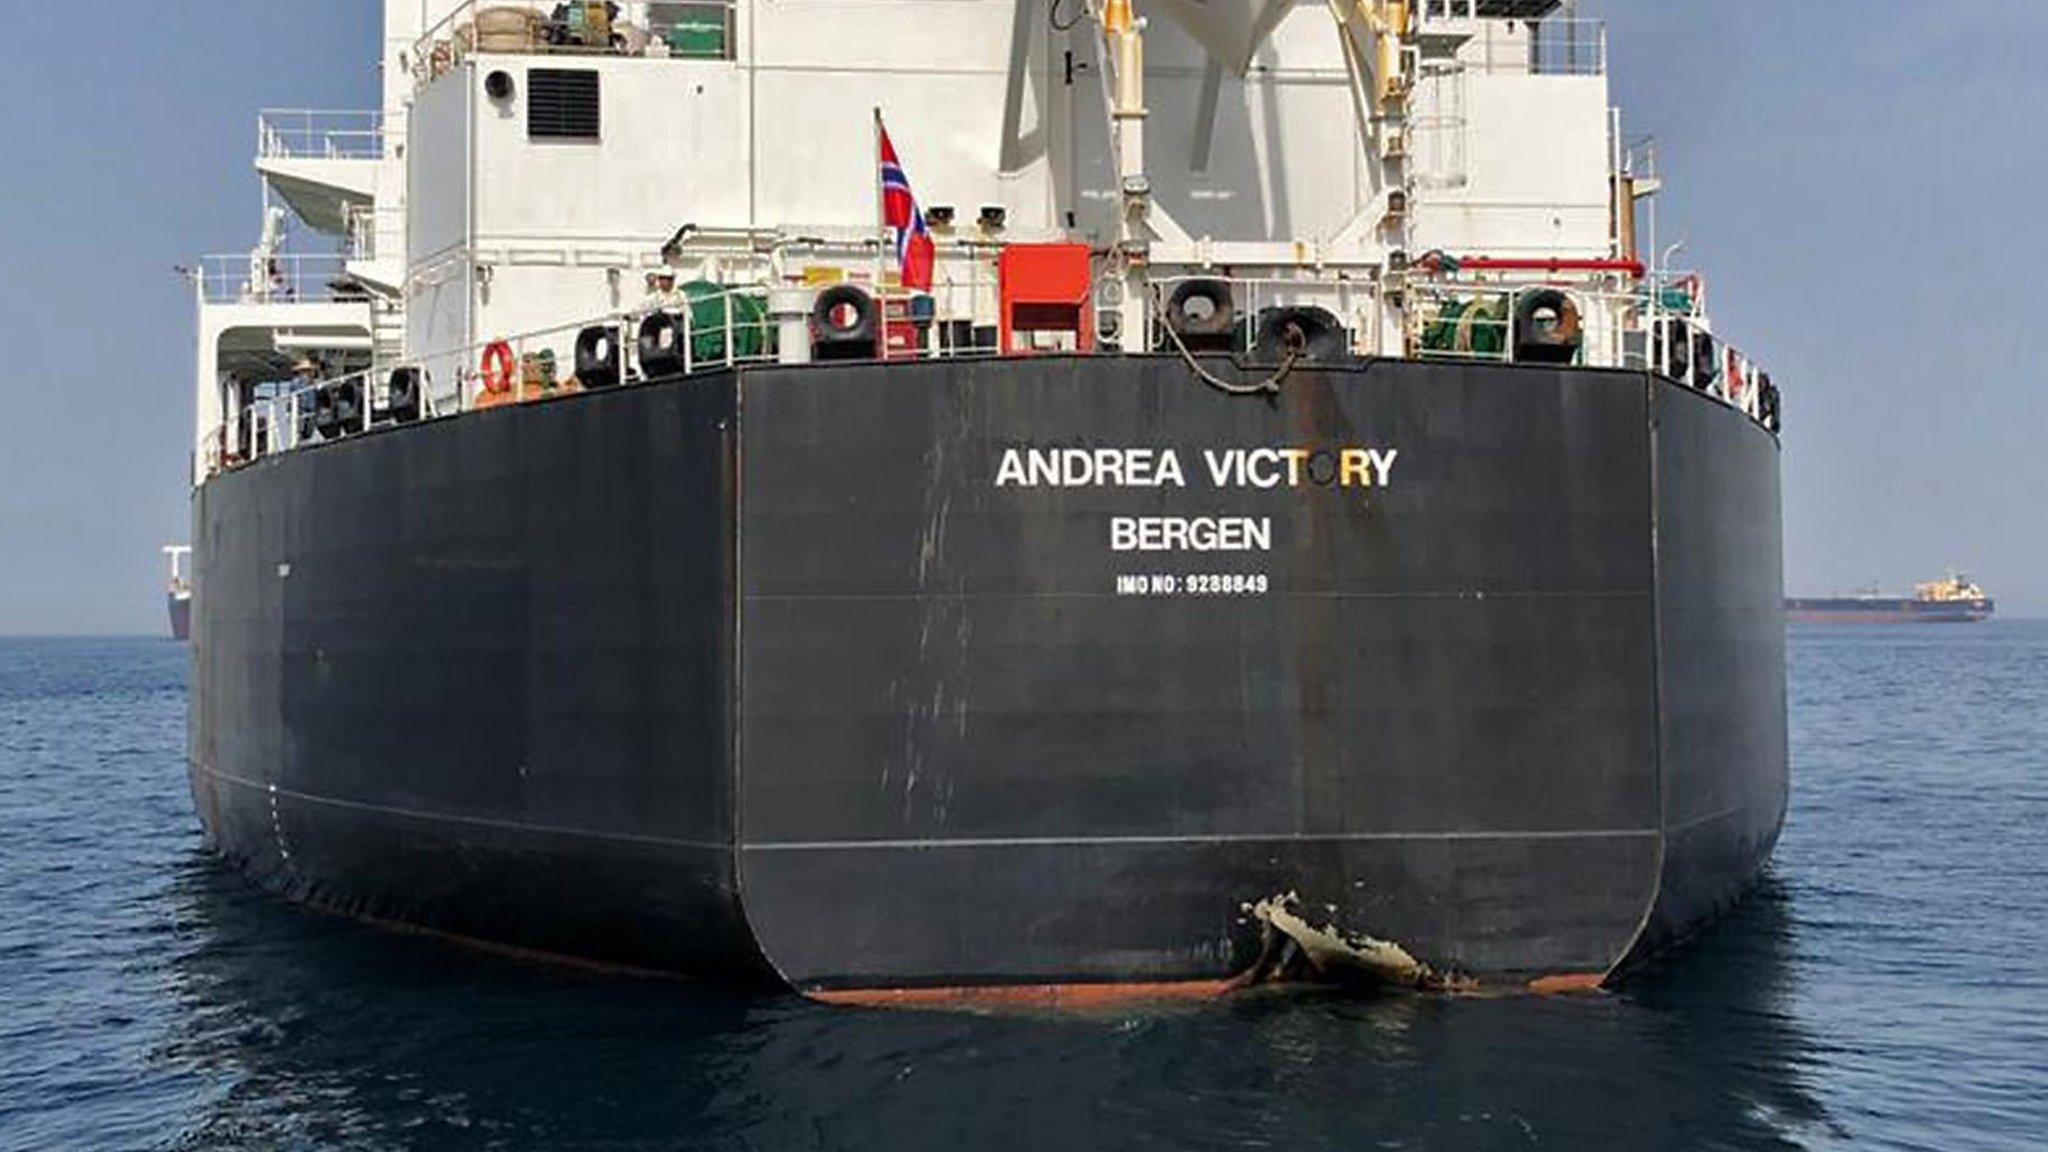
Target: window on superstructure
(562, 104)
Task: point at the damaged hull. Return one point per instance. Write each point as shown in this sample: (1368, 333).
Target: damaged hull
(873, 677)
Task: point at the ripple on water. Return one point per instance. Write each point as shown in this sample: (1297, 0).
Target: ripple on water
(1884, 989)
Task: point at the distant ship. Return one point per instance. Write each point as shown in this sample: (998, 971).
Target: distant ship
(178, 593)
(1954, 600)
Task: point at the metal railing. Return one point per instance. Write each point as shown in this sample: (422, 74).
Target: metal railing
(1555, 47)
(371, 229)
(1252, 299)
(289, 419)
(277, 278)
(315, 134)
(1568, 48)
(544, 365)
(1439, 11)
(1656, 324)
(675, 29)
(1450, 321)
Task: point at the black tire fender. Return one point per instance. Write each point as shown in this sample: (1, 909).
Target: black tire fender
(348, 405)
(1549, 328)
(325, 422)
(1184, 311)
(1313, 334)
(597, 356)
(402, 395)
(1706, 361)
(844, 314)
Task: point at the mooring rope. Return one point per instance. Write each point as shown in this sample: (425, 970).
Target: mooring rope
(1270, 386)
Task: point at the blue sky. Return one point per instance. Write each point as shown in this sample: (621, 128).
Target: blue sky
(130, 150)
(1863, 180)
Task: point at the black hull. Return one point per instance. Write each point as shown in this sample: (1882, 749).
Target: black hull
(764, 676)
(180, 610)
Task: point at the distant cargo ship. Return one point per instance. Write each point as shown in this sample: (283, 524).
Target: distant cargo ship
(178, 593)
(1955, 600)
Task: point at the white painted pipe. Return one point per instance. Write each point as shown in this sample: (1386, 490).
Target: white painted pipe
(789, 309)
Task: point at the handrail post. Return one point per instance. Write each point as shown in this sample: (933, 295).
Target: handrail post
(689, 341)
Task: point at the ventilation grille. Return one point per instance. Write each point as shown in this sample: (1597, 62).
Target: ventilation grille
(562, 104)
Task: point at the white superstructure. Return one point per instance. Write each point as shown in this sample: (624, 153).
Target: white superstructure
(1398, 164)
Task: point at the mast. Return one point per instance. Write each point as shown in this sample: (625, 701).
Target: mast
(1123, 31)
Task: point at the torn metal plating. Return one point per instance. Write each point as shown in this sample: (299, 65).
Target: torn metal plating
(1292, 949)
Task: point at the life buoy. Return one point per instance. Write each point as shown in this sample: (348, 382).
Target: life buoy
(497, 368)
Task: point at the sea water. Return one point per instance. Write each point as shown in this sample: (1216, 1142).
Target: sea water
(1886, 987)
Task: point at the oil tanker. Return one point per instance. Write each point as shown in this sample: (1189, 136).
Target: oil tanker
(1954, 600)
(1261, 518)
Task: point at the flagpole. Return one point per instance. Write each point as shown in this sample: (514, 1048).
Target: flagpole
(881, 202)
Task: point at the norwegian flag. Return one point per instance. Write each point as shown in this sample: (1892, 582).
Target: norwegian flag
(916, 252)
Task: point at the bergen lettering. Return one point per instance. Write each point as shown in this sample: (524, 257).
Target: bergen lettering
(1191, 534)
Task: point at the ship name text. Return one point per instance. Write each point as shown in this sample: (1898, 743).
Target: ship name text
(1262, 468)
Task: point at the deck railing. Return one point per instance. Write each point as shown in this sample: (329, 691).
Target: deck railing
(1656, 324)
(278, 278)
(1555, 47)
(1567, 48)
(316, 134)
(287, 415)
(372, 229)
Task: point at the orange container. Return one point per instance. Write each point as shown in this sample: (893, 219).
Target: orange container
(1046, 288)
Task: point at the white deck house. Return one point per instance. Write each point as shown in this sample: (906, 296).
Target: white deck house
(532, 160)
